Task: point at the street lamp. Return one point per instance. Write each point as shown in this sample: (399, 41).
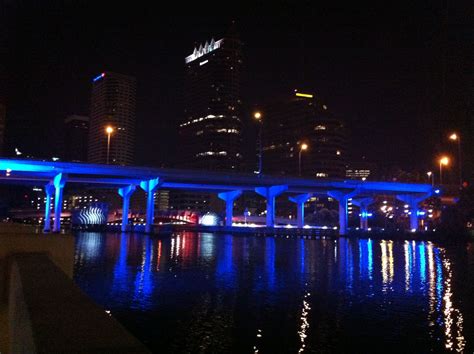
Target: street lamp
(303, 147)
(442, 161)
(109, 130)
(457, 138)
(430, 177)
(258, 117)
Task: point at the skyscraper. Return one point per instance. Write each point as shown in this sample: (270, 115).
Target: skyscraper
(113, 104)
(211, 132)
(296, 120)
(76, 132)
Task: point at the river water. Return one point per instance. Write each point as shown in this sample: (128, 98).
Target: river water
(216, 293)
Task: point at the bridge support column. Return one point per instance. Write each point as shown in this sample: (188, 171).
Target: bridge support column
(59, 182)
(150, 186)
(229, 198)
(270, 193)
(300, 199)
(363, 204)
(49, 191)
(126, 193)
(413, 200)
(342, 198)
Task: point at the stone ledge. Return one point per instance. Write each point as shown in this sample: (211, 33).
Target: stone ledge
(48, 313)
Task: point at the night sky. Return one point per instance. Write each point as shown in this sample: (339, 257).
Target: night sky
(379, 67)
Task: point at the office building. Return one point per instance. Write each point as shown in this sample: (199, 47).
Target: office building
(76, 132)
(113, 106)
(302, 136)
(211, 131)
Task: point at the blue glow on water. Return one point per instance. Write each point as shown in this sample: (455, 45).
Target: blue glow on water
(439, 279)
(422, 257)
(120, 269)
(302, 256)
(224, 258)
(270, 261)
(143, 281)
(370, 258)
(174, 292)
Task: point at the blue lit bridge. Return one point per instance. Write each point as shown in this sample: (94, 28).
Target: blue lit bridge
(228, 186)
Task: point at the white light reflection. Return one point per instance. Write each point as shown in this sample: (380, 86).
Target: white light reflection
(432, 283)
(259, 335)
(391, 270)
(387, 262)
(453, 319)
(304, 322)
(407, 265)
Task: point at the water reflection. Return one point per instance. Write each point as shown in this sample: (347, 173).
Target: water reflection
(196, 283)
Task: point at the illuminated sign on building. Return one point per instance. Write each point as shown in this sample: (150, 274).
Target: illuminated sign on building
(305, 95)
(97, 78)
(202, 50)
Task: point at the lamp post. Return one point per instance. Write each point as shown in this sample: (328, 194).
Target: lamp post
(457, 138)
(303, 147)
(430, 177)
(109, 130)
(442, 161)
(258, 118)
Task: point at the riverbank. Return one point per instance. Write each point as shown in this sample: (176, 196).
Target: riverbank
(310, 232)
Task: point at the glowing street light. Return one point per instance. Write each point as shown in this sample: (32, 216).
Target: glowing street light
(442, 161)
(430, 177)
(108, 130)
(303, 147)
(457, 138)
(259, 118)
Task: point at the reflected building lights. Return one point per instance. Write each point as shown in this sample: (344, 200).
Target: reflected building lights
(304, 322)
(422, 253)
(270, 260)
(178, 245)
(387, 262)
(158, 256)
(453, 319)
(391, 269)
(432, 279)
(384, 261)
(424, 280)
(370, 258)
(408, 265)
(173, 241)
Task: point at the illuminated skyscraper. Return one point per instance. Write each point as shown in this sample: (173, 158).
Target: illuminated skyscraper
(113, 104)
(298, 119)
(211, 131)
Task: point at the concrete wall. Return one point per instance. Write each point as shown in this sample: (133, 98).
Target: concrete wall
(48, 313)
(41, 309)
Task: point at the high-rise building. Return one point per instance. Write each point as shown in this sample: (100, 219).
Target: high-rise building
(300, 133)
(211, 131)
(76, 132)
(113, 104)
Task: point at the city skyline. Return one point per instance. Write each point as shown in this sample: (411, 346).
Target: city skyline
(382, 83)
